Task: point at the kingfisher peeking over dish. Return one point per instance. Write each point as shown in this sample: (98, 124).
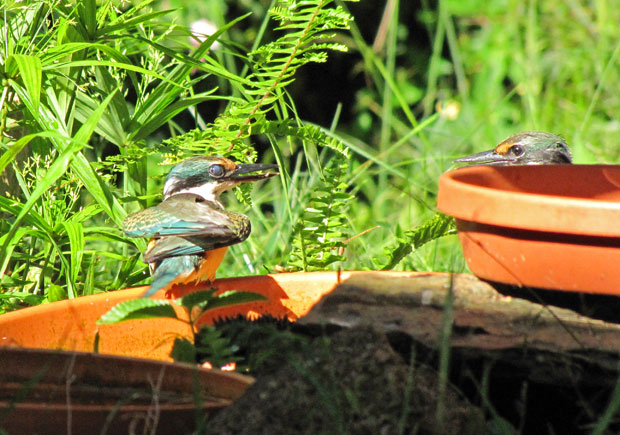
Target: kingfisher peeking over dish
(527, 148)
(190, 230)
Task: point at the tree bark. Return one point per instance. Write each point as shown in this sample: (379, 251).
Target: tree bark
(545, 344)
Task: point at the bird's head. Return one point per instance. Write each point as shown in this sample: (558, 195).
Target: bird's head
(209, 176)
(527, 148)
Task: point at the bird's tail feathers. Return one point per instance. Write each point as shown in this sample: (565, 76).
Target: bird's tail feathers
(166, 274)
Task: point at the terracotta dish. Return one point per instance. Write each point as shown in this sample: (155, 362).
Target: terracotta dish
(71, 324)
(552, 226)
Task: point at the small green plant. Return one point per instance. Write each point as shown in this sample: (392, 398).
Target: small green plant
(320, 231)
(194, 305)
(256, 346)
(438, 226)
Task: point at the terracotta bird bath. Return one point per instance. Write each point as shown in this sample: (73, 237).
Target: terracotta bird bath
(53, 381)
(552, 226)
(71, 324)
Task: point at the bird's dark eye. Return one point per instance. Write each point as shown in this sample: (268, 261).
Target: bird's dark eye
(517, 150)
(216, 170)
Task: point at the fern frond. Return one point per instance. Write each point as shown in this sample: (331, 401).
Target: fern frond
(438, 226)
(306, 26)
(275, 63)
(305, 29)
(319, 234)
(305, 132)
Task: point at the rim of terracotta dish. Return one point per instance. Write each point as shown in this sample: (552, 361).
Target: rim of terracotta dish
(530, 211)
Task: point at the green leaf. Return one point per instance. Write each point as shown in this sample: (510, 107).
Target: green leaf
(89, 279)
(126, 25)
(56, 293)
(100, 191)
(87, 129)
(141, 308)
(9, 243)
(8, 156)
(75, 231)
(168, 113)
(86, 213)
(25, 297)
(214, 347)
(126, 271)
(196, 298)
(29, 68)
(96, 63)
(320, 229)
(55, 171)
(87, 11)
(233, 297)
(183, 350)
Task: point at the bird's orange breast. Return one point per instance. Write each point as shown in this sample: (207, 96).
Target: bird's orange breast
(208, 266)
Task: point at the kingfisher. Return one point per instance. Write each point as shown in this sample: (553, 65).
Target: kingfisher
(526, 148)
(190, 230)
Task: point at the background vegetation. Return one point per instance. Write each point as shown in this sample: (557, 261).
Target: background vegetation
(98, 100)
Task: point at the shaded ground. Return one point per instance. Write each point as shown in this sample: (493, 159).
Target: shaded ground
(350, 382)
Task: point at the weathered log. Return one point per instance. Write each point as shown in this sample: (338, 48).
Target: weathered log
(543, 343)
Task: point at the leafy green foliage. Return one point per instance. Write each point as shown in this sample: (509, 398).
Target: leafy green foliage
(65, 77)
(319, 232)
(214, 347)
(273, 67)
(195, 305)
(406, 114)
(438, 226)
(15, 300)
(142, 308)
(183, 350)
(255, 346)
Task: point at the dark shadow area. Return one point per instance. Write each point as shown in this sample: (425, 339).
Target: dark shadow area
(533, 390)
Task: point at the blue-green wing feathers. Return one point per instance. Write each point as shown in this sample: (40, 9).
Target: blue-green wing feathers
(154, 222)
(180, 246)
(183, 215)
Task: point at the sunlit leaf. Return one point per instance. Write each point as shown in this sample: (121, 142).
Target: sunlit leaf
(196, 298)
(140, 308)
(233, 297)
(56, 293)
(438, 226)
(29, 68)
(75, 231)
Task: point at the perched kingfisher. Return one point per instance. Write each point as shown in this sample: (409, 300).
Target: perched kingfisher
(190, 230)
(527, 148)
